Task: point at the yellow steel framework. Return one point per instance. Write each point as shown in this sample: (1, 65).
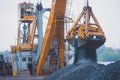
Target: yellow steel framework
(89, 27)
(54, 32)
(27, 20)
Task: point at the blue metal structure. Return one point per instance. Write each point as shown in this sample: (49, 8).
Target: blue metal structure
(24, 33)
(40, 12)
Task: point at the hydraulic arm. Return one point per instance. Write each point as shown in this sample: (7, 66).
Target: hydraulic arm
(52, 52)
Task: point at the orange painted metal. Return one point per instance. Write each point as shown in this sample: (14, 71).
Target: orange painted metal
(55, 29)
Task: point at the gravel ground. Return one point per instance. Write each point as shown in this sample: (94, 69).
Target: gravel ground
(22, 75)
(21, 78)
(75, 72)
(84, 70)
(88, 70)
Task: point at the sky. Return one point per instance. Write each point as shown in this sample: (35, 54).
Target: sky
(106, 11)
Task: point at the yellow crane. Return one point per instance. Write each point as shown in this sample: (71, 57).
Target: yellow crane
(89, 33)
(52, 52)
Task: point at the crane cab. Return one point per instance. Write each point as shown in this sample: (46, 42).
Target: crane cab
(26, 12)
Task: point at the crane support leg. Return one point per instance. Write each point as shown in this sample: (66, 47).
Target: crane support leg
(52, 52)
(60, 32)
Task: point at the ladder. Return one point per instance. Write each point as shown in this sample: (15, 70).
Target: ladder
(68, 16)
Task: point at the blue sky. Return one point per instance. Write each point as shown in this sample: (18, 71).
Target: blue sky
(106, 11)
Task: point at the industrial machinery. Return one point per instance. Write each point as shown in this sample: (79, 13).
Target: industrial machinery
(24, 51)
(40, 11)
(49, 52)
(86, 35)
(51, 56)
(52, 52)
(27, 22)
(5, 68)
(26, 28)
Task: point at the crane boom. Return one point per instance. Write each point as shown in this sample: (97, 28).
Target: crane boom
(54, 35)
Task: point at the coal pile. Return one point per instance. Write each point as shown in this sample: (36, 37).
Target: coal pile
(109, 72)
(87, 70)
(78, 71)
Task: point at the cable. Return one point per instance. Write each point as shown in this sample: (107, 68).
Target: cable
(86, 2)
(39, 1)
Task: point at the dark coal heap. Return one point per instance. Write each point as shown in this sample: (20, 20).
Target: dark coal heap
(87, 70)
